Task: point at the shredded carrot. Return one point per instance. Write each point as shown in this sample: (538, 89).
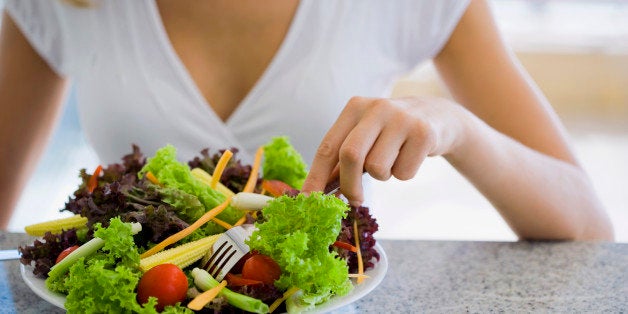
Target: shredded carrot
(197, 303)
(275, 187)
(92, 183)
(220, 167)
(241, 220)
(222, 223)
(151, 177)
(252, 181)
(346, 246)
(187, 231)
(285, 296)
(357, 246)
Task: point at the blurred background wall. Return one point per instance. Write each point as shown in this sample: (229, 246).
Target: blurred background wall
(576, 50)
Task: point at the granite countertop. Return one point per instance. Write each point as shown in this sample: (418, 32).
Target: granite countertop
(449, 276)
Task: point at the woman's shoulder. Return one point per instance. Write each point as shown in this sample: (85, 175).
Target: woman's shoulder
(60, 31)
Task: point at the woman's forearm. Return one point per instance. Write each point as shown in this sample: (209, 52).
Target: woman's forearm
(30, 98)
(540, 197)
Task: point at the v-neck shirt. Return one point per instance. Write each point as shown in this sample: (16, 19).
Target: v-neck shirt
(132, 87)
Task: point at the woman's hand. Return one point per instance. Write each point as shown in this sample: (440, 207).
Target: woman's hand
(384, 137)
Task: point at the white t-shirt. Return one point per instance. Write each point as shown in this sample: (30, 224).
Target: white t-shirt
(132, 87)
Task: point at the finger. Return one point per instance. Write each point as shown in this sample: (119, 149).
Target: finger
(353, 154)
(335, 173)
(327, 155)
(412, 154)
(382, 156)
(319, 174)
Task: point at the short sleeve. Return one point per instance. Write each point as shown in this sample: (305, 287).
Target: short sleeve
(427, 26)
(41, 23)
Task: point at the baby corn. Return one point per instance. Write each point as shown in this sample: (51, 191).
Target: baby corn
(55, 226)
(207, 179)
(182, 255)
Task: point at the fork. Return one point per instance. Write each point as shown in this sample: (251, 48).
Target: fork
(228, 250)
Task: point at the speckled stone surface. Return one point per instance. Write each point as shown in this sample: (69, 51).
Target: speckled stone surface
(450, 277)
(17, 297)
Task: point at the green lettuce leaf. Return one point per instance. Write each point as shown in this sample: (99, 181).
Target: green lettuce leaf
(297, 233)
(98, 287)
(283, 162)
(176, 175)
(189, 207)
(119, 244)
(105, 282)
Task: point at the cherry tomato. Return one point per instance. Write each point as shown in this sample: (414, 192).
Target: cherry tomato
(65, 253)
(166, 282)
(261, 267)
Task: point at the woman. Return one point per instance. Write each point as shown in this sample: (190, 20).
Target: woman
(224, 73)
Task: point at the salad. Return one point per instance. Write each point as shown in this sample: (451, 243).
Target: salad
(143, 230)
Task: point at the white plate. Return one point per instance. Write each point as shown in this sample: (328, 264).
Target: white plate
(38, 286)
(376, 275)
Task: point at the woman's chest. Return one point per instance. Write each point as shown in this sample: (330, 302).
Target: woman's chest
(226, 46)
(141, 90)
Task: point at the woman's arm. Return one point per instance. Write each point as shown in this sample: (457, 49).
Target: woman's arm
(520, 159)
(506, 140)
(30, 100)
